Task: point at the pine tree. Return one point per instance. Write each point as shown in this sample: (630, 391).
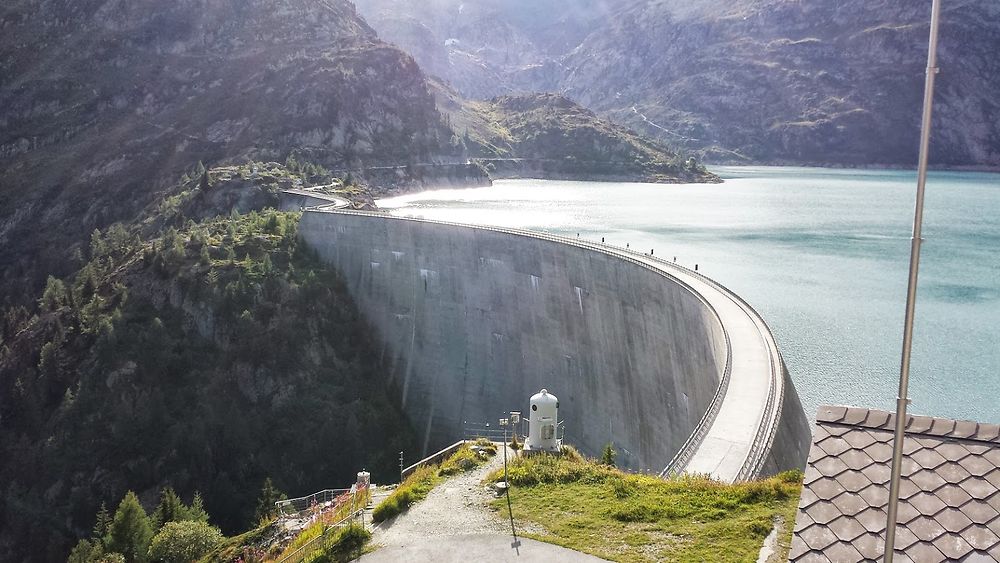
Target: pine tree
(196, 511)
(102, 524)
(130, 532)
(269, 495)
(170, 509)
(203, 184)
(609, 455)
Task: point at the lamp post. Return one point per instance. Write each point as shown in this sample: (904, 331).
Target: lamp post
(514, 418)
(902, 400)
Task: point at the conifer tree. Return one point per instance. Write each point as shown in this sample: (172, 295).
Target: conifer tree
(196, 511)
(130, 532)
(103, 522)
(170, 509)
(269, 495)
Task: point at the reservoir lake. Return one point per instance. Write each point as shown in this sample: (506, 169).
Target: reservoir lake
(821, 253)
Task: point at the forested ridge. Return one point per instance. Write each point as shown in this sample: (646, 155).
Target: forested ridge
(204, 355)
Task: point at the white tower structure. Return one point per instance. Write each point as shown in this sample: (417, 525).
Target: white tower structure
(542, 423)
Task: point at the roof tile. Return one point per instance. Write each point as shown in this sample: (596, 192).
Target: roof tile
(941, 426)
(879, 419)
(980, 512)
(965, 429)
(850, 504)
(826, 488)
(952, 546)
(979, 489)
(872, 519)
(846, 528)
(876, 496)
(988, 432)
(853, 481)
(870, 545)
(952, 450)
(818, 537)
(953, 520)
(918, 424)
(855, 416)
(859, 440)
(830, 414)
(978, 557)
(927, 503)
(880, 452)
(981, 537)
(856, 459)
(928, 458)
(924, 553)
(926, 528)
(831, 466)
(976, 465)
(843, 553)
(904, 537)
(823, 512)
(834, 445)
(952, 495)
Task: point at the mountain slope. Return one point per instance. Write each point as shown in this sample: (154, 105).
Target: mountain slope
(807, 82)
(550, 136)
(104, 102)
(201, 354)
(775, 81)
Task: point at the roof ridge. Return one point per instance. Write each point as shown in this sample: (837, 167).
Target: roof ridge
(915, 424)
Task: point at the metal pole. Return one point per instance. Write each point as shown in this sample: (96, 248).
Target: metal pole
(902, 399)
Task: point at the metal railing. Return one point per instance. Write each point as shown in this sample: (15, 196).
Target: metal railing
(330, 508)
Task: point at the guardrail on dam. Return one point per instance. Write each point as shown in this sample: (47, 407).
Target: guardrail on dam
(678, 372)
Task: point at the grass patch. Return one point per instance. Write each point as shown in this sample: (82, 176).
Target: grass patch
(346, 544)
(416, 487)
(582, 505)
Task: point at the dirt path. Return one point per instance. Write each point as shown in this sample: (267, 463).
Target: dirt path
(456, 507)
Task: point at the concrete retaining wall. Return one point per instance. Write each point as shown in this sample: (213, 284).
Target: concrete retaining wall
(476, 321)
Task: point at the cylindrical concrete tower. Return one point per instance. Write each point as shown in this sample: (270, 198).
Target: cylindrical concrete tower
(542, 422)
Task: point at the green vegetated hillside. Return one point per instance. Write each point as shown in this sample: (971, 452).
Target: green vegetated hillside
(549, 136)
(777, 81)
(200, 348)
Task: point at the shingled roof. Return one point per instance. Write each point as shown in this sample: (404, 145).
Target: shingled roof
(949, 505)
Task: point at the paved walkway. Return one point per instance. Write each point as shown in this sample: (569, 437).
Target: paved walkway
(484, 548)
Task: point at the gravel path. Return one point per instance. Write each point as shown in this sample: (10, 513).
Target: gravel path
(456, 507)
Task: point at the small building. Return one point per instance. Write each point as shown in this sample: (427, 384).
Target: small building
(949, 507)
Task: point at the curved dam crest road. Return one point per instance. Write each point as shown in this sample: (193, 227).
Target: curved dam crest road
(679, 372)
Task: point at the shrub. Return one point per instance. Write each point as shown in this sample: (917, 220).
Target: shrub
(182, 542)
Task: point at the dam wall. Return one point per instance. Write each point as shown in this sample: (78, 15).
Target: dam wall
(475, 320)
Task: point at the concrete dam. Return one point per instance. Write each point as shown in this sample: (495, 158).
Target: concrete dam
(677, 372)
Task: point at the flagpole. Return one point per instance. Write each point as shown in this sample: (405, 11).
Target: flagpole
(911, 292)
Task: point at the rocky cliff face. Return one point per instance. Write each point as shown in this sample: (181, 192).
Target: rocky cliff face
(105, 102)
(808, 82)
(778, 81)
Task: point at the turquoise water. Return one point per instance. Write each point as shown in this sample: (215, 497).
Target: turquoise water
(821, 253)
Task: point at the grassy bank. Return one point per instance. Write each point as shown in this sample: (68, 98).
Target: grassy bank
(582, 505)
